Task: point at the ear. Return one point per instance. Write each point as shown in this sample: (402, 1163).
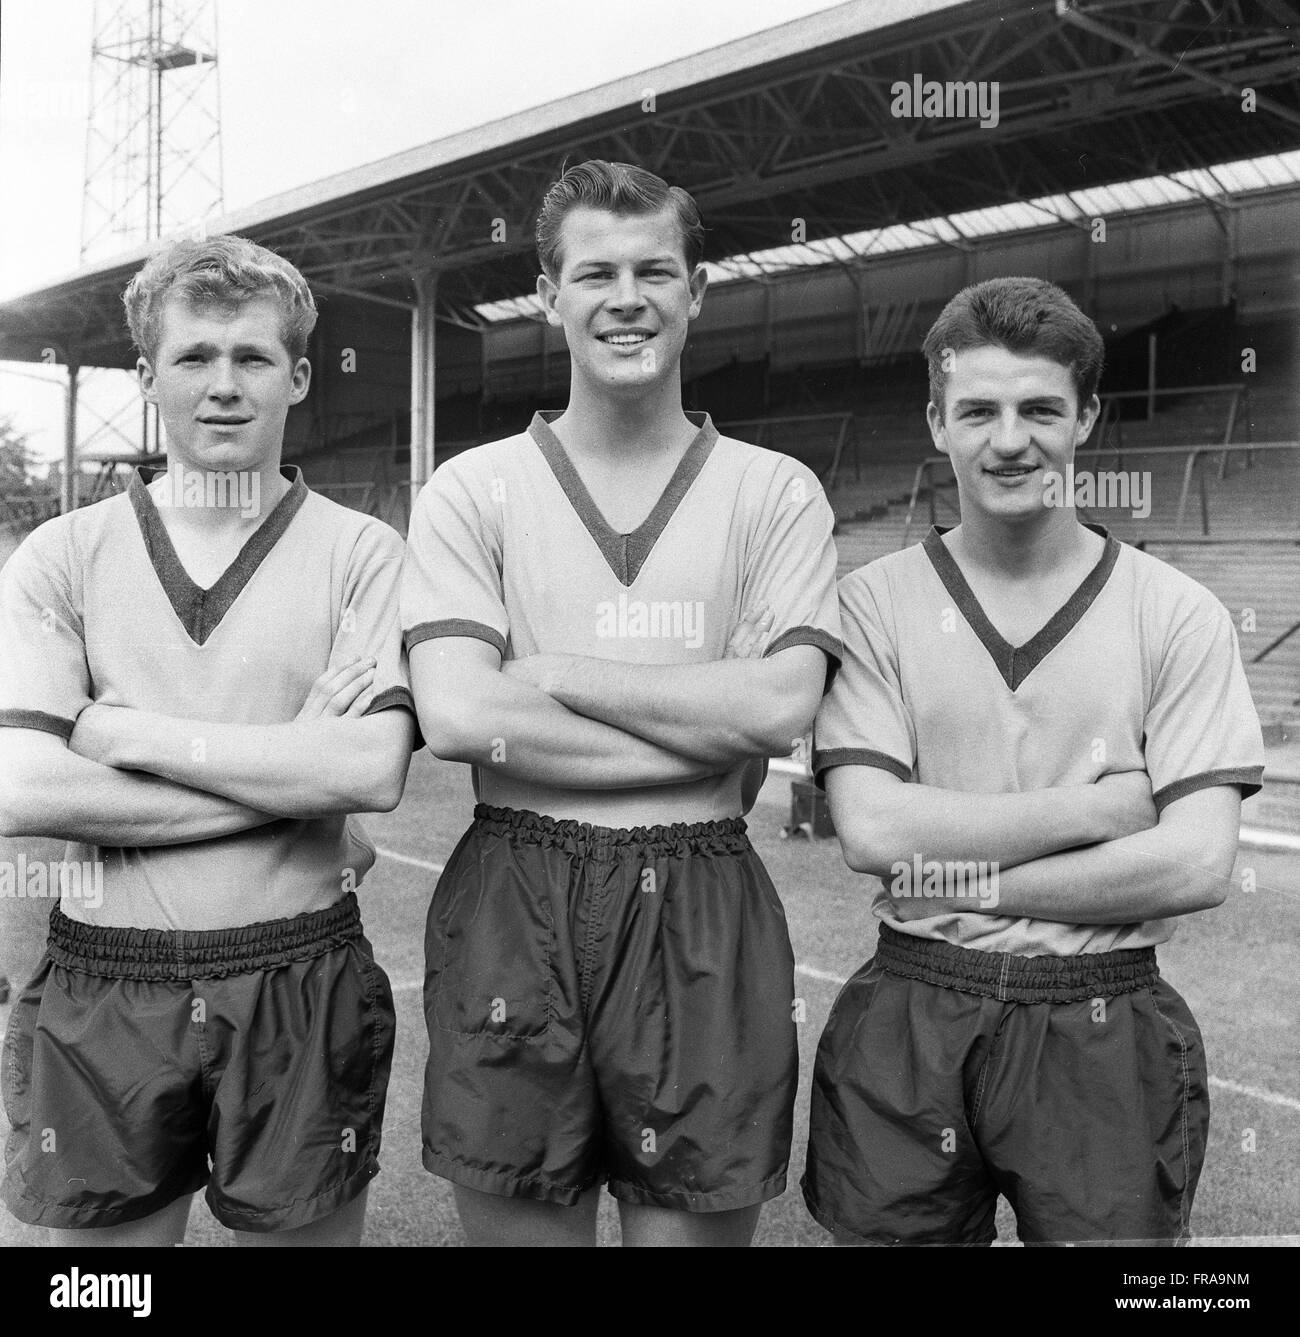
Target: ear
(301, 381)
(938, 433)
(698, 281)
(145, 376)
(1087, 417)
(549, 292)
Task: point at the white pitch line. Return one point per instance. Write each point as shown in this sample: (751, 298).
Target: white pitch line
(829, 977)
(415, 863)
(814, 974)
(1261, 838)
(1224, 1083)
(1257, 1092)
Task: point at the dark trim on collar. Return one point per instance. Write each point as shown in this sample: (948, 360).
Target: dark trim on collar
(625, 553)
(1016, 662)
(199, 610)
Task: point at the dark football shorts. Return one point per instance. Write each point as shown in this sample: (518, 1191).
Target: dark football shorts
(1074, 1086)
(135, 1056)
(609, 1004)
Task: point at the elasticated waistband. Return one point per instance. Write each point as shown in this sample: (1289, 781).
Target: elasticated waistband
(186, 954)
(1016, 979)
(724, 836)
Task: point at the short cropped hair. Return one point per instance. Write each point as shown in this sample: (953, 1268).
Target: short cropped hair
(1022, 315)
(224, 271)
(621, 188)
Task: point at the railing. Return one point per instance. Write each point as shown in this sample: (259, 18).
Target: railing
(1109, 418)
(1273, 645)
(389, 502)
(1195, 456)
(845, 435)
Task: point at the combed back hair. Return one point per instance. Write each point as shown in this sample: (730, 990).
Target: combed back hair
(220, 271)
(621, 188)
(1022, 315)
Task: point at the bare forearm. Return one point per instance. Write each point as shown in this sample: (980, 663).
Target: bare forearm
(72, 798)
(1153, 874)
(305, 768)
(904, 820)
(522, 732)
(724, 711)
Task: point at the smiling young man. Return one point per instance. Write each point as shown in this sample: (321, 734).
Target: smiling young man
(200, 679)
(615, 618)
(1025, 699)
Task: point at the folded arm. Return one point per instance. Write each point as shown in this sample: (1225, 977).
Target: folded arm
(48, 790)
(303, 768)
(881, 820)
(471, 711)
(722, 712)
(1181, 865)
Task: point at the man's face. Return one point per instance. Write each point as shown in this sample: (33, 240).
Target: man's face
(1009, 420)
(223, 382)
(624, 297)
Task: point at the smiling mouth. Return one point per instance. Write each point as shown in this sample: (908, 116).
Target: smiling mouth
(1012, 471)
(625, 338)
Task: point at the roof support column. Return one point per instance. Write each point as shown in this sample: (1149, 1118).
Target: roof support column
(1231, 257)
(423, 379)
(68, 487)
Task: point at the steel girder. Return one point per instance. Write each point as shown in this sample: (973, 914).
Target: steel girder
(1089, 92)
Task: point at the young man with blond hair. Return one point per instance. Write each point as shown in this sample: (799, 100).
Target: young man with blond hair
(201, 679)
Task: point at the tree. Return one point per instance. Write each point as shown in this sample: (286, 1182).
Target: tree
(17, 459)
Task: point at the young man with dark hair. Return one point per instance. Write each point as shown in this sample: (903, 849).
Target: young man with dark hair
(615, 618)
(200, 680)
(1039, 742)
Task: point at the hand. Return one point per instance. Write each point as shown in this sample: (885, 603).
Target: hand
(749, 639)
(100, 733)
(1127, 805)
(341, 691)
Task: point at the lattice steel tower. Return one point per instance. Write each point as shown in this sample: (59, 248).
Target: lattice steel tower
(153, 135)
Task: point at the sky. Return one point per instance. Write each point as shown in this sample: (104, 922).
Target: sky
(310, 88)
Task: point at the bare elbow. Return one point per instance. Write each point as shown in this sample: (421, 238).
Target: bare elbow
(445, 738)
(1211, 884)
(864, 852)
(11, 823)
(443, 725)
(386, 793)
(20, 802)
(781, 724)
(377, 779)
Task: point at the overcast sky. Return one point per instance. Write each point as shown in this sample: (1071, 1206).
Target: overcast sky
(313, 87)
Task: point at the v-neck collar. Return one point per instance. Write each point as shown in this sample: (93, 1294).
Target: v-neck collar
(625, 553)
(1016, 662)
(199, 610)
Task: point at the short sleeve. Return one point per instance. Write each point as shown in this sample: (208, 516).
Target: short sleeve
(863, 720)
(1201, 726)
(451, 576)
(369, 624)
(44, 676)
(791, 566)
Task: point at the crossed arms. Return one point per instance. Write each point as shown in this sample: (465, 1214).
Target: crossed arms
(1080, 854)
(572, 722)
(128, 777)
